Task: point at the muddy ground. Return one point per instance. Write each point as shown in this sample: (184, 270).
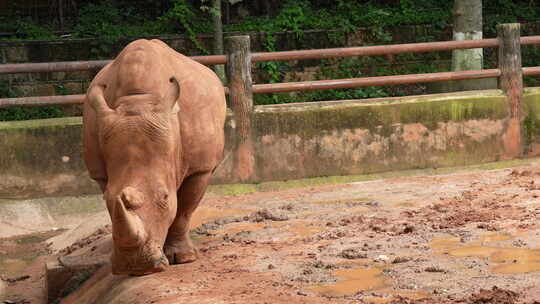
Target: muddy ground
(458, 238)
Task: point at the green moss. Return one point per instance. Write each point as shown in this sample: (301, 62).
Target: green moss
(58, 206)
(238, 189)
(30, 239)
(232, 189)
(342, 201)
(26, 146)
(380, 116)
(75, 205)
(40, 123)
(531, 123)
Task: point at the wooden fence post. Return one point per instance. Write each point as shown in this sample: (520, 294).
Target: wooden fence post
(238, 71)
(511, 82)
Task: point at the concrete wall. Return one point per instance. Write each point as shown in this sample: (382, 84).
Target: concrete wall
(42, 157)
(298, 140)
(531, 123)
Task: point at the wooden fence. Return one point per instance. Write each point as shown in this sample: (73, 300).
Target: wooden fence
(238, 59)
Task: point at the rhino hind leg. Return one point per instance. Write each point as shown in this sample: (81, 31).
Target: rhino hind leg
(178, 247)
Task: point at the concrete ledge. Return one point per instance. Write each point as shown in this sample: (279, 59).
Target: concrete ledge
(42, 157)
(24, 216)
(531, 123)
(302, 140)
(61, 279)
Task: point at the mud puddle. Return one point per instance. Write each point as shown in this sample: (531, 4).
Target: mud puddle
(295, 230)
(17, 253)
(309, 245)
(353, 281)
(22, 268)
(405, 204)
(504, 260)
(393, 295)
(205, 214)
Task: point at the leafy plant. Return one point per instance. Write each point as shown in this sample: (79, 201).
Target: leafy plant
(182, 15)
(26, 29)
(128, 19)
(24, 113)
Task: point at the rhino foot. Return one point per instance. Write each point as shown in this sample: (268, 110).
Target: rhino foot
(181, 252)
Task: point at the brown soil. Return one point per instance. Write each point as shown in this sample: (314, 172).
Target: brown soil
(461, 238)
(22, 267)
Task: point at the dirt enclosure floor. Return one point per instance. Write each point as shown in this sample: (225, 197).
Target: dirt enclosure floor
(467, 237)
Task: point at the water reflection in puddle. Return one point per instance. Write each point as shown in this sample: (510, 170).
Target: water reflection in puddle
(352, 281)
(13, 267)
(18, 252)
(404, 204)
(413, 295)
(298, 230)
(495, 237)
(506, 260)
(207, 214)
(444, 243)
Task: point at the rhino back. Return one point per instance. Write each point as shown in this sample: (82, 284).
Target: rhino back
(202, 111)
(145, 67)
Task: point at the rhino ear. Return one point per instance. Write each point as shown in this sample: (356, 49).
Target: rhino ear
(174, 95)
(96, 99)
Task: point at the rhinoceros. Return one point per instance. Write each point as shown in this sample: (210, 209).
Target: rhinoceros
(153, 123)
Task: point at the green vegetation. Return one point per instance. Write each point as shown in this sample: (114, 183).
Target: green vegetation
(112, 21)
(239, 189)
(22, 113)
(381, 118)
(119, 19)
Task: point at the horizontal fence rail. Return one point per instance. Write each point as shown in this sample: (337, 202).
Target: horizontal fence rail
(374, 50)
(531, 71)
(61, 66)
(300, 86)
(373, 81)
(385, 49)
(423, 47)
(70, 66)
(287, 56)
(41, 101)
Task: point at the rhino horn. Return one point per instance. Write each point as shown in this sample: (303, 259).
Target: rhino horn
(128, 228)
(96, 99)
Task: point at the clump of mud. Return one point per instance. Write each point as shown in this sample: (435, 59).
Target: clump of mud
(495, 295)
(482, 204)
(267, 215)
(353, 253)
(208, 229)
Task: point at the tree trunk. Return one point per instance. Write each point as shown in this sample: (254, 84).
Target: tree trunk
(511, 82)
(467, 26)
(218, 37)
(241, 102)
(61, 14)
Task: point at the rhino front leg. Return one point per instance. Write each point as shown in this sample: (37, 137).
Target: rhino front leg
(178, 246)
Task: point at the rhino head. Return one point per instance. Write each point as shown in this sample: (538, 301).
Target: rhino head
(140, 144)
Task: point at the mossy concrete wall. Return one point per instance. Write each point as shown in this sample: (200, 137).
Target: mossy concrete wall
(357, 137)
(293, 141)
(531, 123)
(42, 157)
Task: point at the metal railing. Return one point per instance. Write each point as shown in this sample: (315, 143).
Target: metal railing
(244, 67)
